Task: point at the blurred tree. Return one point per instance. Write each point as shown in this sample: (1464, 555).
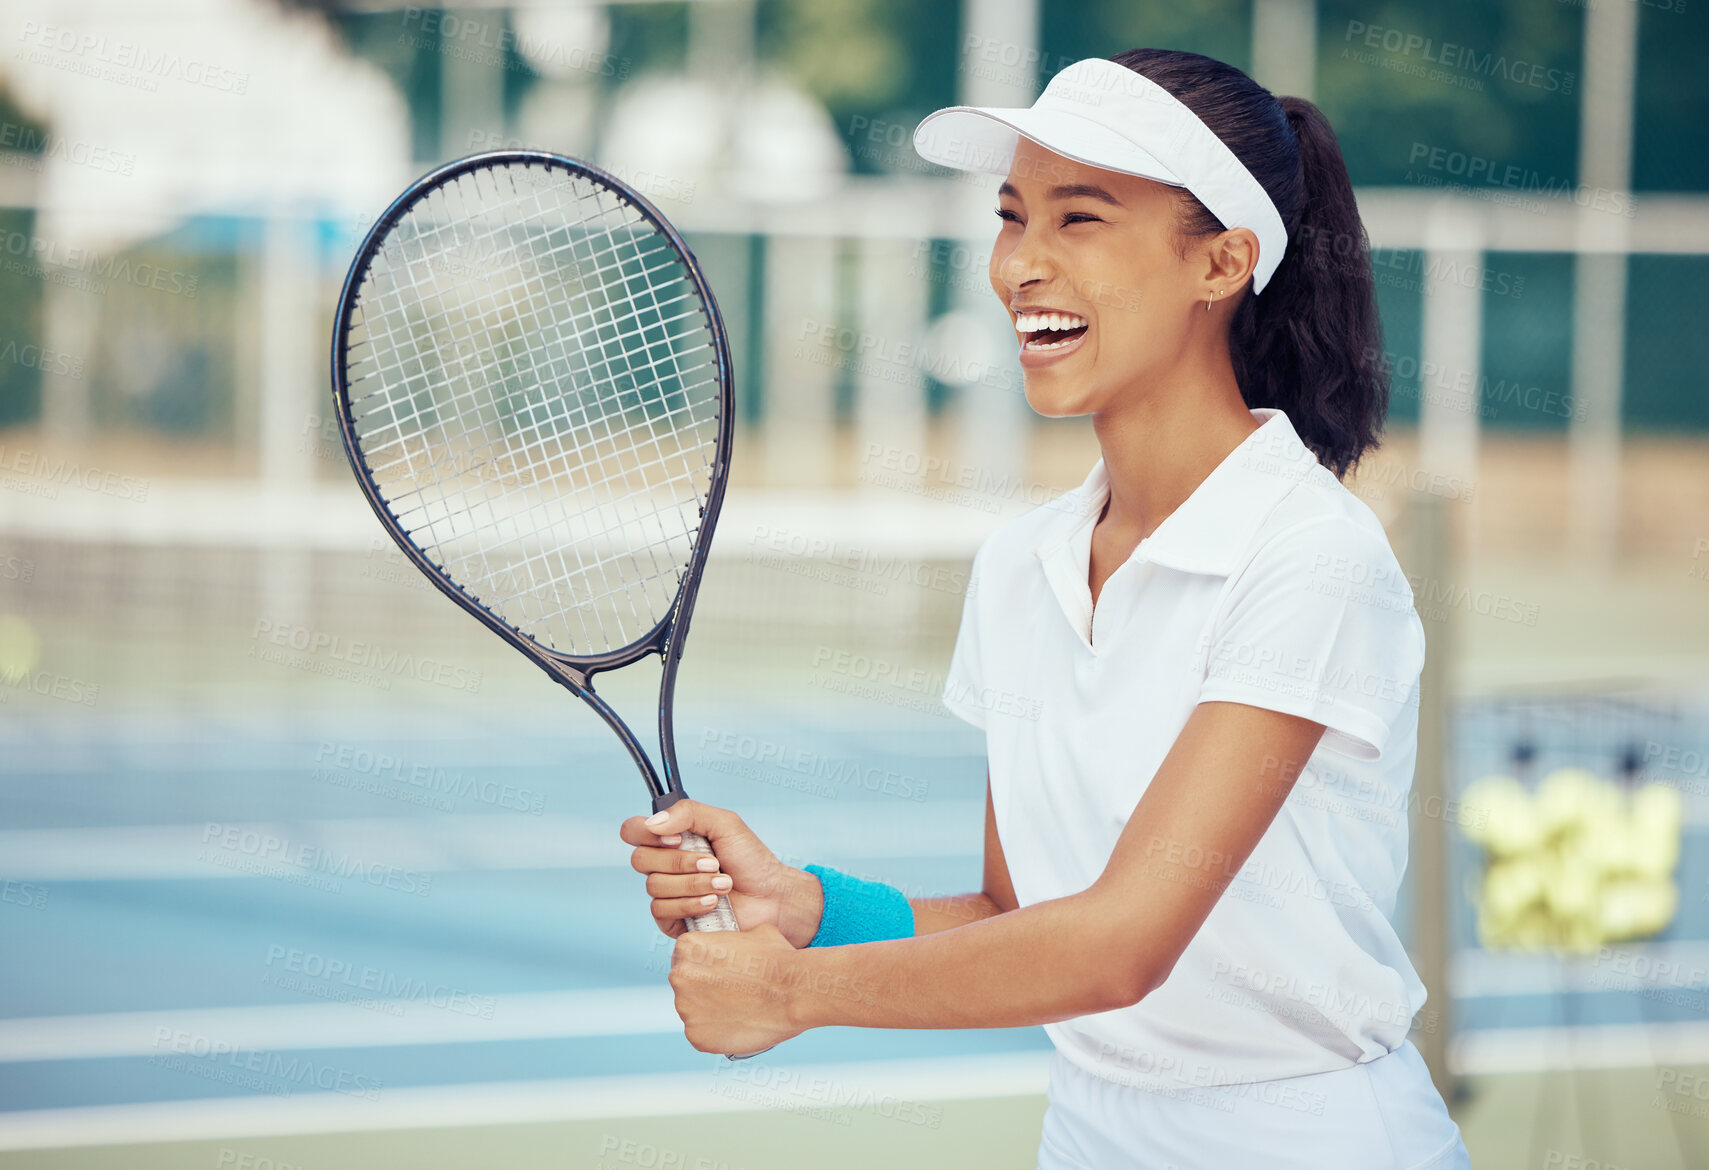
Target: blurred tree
(20, 291)
(1100, 28)
(1399, 302)
(652, 37)
(1525, 380)
(1405, 78)
(1672, 99)
(409, 56)
(410, 45)
(1667, 349)
(873, 63)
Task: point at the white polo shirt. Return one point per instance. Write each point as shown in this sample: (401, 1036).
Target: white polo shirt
(1271, 585)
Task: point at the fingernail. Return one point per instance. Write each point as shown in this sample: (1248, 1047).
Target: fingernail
(659, 818)
(709, 900)
(707, 863)
(672, 839)
(721, 882)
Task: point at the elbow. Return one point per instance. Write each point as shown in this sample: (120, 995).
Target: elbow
(1131, 982)
(1130, 959)
(1128, 975)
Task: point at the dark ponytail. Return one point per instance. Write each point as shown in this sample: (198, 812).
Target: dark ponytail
(1311, 342)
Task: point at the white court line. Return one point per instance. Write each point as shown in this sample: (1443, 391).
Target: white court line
(635, 1011)
(1522, 1050)
(898, 1089)
(897, 1086)
(1677, 967)
(355, 848)
(375, 1023)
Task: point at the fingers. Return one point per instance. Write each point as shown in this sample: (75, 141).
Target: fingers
(676, 909)
(635, 832)
(682, 883)
(688, 886)
(653, 859)
(681, 890)
(708, 820)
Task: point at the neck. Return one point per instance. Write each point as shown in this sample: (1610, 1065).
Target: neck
(1161, 444)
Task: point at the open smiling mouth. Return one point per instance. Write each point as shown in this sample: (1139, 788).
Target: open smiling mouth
(1046, 331)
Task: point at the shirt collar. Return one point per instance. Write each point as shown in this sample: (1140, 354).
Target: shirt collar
(1213, 526)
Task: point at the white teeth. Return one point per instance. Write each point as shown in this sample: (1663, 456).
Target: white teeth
(1039, 322)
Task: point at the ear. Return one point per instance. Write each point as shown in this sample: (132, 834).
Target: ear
(1232, 257)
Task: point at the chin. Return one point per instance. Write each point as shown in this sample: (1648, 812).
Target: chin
(1054, 401)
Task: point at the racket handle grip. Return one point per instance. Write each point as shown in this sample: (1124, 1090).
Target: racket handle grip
(720, 917)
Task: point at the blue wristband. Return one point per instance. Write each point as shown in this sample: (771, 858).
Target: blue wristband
(858, 911)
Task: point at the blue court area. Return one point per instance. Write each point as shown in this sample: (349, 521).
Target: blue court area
(318, 907)
(205, 911)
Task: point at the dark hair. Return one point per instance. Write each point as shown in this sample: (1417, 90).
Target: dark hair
(1311, 343)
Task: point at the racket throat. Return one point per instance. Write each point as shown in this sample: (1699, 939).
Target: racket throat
(667, 798)
(662, 784)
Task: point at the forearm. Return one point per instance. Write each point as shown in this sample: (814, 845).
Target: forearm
(1036, 965)
(803, 903)
(934, 914)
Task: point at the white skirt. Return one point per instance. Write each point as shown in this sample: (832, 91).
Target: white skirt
(1384, 1114)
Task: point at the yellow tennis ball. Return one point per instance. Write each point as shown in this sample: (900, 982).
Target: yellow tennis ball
(1581, 935)
(1570, 797)
(1658, 823)
(1605, 800)
(1655, 853)
(1606, 849)
(1658, 804)
(1475, 805)
(1497, 813)
(20, 647)
(1571, 888)
(1636, 907)
(1535, 929)
(1511, 887)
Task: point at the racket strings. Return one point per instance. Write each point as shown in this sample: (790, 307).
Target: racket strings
(478, 392)
(652, 366)
(550, 448)
(522, 592)
(619, 521)
(544, 416)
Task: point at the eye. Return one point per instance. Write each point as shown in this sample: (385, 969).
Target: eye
(1079, 217)
(1004, 213)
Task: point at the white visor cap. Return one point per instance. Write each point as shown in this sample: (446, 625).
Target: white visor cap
(1105, 115)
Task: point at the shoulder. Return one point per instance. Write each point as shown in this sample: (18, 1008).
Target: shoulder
(1318, 620)
(1318, 533)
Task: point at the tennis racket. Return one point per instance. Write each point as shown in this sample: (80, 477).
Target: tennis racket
(533, 384)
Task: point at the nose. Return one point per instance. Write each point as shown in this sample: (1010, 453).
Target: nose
(1027, 263)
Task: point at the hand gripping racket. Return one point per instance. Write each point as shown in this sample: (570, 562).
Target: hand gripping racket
(533, 384)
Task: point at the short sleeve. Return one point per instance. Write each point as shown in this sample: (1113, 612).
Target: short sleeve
(1321, 624)
(965, 680)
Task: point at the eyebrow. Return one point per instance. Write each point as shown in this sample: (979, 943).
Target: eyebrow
(1068, 191)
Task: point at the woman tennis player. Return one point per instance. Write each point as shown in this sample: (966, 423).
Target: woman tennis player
(1197, 673)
